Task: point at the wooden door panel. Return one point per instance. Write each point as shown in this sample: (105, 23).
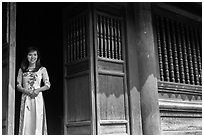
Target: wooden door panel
(79, 130)
(78, 99)
(113, 129)
(95, 83)
(77, 95)
(111, 97)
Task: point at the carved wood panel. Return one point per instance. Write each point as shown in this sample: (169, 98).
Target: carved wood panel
(179, 51)
(109, 38)
(179, 85)
(77, 39)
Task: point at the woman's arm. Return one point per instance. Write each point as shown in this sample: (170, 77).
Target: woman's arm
(19, 84)
(46, 81)
(43, 88)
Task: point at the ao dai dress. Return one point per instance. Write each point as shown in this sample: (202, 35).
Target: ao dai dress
(32, 110)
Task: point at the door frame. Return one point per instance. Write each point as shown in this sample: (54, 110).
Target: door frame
(10, 63)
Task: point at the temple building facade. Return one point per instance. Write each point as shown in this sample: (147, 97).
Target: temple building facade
(115, 68)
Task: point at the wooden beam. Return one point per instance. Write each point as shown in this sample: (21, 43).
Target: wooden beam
(148, 88)
(12, 66)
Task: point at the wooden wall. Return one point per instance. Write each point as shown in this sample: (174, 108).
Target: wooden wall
(180, 109)
(179, 69)
(120, 90)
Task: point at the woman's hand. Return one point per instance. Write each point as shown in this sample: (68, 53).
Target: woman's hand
(28, 91)
(32, 93)
(35, 93)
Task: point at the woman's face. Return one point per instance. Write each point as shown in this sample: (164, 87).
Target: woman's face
(32, 57)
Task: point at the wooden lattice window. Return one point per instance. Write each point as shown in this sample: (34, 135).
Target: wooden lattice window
(179, 50)
(109, 37)
(77, 39)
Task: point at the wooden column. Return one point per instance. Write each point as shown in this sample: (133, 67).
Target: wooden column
(147, 69)
(133, 79)
(8, 77)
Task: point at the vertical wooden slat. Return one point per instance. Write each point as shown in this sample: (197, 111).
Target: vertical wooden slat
(198, 55)
(77, 39)
(112, 39)
(119, 40)
(159, 48)
(86, 33)
(68, 45)
(80, 38)
(108, 37)
(185, 55)
(101, 36)
(175, 53)
(194, 55)
(200, 37)
(71, 43)
(74, 40)
(171, 61)
(166, 65)
(180, 55)
(98, 35)
(104, 37)
(116, 39)
(84, 36)
(190, 55)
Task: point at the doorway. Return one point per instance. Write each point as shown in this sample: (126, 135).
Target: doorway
(40, 25)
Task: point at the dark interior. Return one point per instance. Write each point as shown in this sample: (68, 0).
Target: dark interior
(40, 25)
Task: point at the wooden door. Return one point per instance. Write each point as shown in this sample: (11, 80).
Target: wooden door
(8, 67)
(95, 83)
(110, 65)
(77, 80)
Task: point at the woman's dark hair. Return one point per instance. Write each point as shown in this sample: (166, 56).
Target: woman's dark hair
(25, 63)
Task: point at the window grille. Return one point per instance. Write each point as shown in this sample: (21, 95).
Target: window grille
(77, 43)
(179, 50)
(109, 39)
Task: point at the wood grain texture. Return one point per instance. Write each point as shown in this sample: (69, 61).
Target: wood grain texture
(104, 65)
(179, 91)
(78, 99)
(181, 126)
(12, 68)
(111, 97)
(79, 130)
(180, 108)
(117, 129)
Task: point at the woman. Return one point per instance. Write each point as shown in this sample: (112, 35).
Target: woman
(32, 111)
